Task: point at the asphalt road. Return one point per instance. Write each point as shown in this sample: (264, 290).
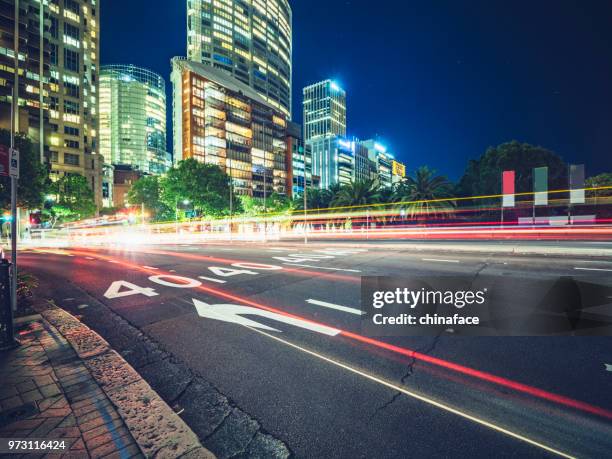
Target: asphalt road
(311, 379)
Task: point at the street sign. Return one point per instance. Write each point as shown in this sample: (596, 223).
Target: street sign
(4, 160)
(14, 163)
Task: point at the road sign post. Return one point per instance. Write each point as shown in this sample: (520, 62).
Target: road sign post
(14, 173)
(7, 337)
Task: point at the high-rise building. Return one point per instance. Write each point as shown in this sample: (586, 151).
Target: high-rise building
(251, 39)
(219, 120)
(64, 63)
(324, 107)
(382, 161)
(32, 55)
(301, 159)
(73, 39)
(363, 165)
(133, 118)
(333, 160)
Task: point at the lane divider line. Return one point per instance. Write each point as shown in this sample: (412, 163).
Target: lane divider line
(419, 397)
(439, 259)
(593, 269)
(338, 307)
(323, 267)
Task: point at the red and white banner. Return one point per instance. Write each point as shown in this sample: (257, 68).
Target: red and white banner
(508, 188)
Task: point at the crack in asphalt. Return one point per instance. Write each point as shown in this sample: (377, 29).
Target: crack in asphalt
(409, 372)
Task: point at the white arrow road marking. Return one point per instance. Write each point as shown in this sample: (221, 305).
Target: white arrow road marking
(323, 267)
(233, 313)
(335, 306)
(608, 366)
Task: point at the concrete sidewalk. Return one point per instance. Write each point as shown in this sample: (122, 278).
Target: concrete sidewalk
(65, 383)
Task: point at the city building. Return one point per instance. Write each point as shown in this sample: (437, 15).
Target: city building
(73, 38)
(398, 172)
(219, 120)
(333, 160)
(32, 118)
(249, 39)
(133, 118)
(382, 160)
(58, 82)
(124, 177)
(324, 107)
(301, 159)
(363, 166)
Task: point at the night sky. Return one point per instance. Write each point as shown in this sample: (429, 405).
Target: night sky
(439, 81)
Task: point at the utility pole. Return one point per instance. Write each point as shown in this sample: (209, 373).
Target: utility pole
(265, 201)
(14, 130)
(231, 198)
(41, 69)
(305, 205)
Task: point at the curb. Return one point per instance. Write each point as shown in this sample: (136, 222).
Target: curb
(156, 428)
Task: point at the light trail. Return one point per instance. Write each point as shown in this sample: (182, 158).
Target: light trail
(458, 368)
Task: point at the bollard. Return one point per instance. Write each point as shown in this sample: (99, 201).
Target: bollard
(7, 338)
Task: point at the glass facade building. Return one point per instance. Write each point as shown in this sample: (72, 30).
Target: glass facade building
(382, 161)
(220, 120)
(333, 160)
(73, 37)
(301, 159)
(133, 118)
(324, 107)
(251, 39)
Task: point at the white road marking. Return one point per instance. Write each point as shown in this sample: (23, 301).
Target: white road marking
(82, 306)
(593, 269)
(440, 259)
(335, 306)
(150, 267)
(234, 313)
(211, 279)
(608, 366)
(418, 396)
(113, 261)
(323, 267)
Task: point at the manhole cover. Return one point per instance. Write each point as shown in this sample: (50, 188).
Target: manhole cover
(18, 413)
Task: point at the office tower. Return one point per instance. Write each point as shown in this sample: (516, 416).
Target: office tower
(73, 40)
(324, 107)
(363, 165)
(67, 58)
(333, 160)
(219, 120)
(301, 159)
(382, 161)
(250, 39)
(33, 61)
(133, 118)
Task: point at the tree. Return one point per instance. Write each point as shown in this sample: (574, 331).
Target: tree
(597, 181)
(357, 194)
(205, 186)
(483, 176)
(422, 191)
(147, 190)
(33, 176)
(73, 198)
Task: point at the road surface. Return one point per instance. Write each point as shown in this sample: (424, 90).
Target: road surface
(289, 353)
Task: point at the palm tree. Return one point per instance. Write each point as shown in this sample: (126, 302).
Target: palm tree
(357, 194)
(425, 193)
